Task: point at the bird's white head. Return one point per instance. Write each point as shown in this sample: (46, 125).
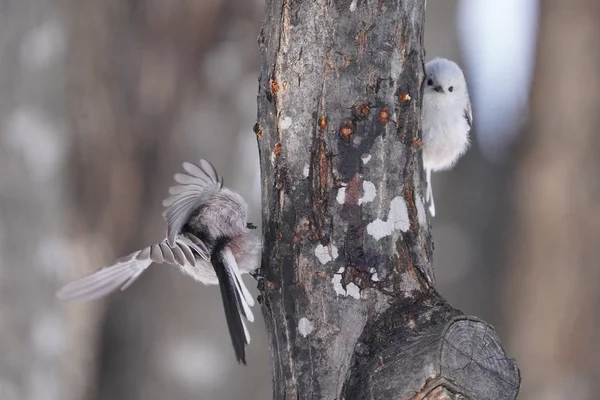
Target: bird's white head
(445, 78)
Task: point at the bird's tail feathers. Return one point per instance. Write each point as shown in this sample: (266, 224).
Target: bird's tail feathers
(429, 193)
(236, 300)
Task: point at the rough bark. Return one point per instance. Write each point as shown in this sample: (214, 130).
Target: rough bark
(347, 288)
(552, 301)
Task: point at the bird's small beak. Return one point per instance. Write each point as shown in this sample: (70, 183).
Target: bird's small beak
(250, 225)
(439, 89)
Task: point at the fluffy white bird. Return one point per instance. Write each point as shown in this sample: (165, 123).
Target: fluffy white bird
(208, 238)
(446, 119)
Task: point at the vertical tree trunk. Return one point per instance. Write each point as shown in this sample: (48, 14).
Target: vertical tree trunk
(553, 297)
(348, 293)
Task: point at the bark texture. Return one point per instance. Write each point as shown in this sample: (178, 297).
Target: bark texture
(347, 288)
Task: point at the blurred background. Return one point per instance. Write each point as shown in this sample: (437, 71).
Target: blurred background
(101, 101)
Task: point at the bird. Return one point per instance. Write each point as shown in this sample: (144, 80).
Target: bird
(446, 119)
(208, 237)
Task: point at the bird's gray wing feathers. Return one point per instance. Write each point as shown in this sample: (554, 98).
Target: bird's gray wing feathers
(194, 189)
(127, 269)
(469, 114)
(105, 280)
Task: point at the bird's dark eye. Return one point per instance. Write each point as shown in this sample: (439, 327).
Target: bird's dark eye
(451, 88)
(429, 82)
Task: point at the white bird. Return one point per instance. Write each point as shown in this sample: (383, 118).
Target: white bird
(446, 119)
(208, 238)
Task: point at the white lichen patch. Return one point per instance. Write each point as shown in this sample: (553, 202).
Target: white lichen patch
(365, 158)
(374, 276)
(397, 220)
(305, 327)
(399, 214)
(306, 171)
(353, 5)
(273, 157)
(352, 290)
(341, 195)
(324, 255)
(369, 192)
(286, 123)
(379, 229)
(337, 285)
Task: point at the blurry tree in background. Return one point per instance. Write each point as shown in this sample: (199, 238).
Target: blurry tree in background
(554, 272)
(134, 80)
(101, 101)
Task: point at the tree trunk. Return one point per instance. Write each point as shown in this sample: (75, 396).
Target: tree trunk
(348, 288)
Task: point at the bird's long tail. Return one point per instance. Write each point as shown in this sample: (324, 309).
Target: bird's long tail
(237, 300)
(429, 194)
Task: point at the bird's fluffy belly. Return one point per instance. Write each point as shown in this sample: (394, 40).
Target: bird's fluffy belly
(449, 144)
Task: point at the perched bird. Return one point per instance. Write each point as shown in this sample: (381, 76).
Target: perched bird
(446, 119)
(208, 238)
